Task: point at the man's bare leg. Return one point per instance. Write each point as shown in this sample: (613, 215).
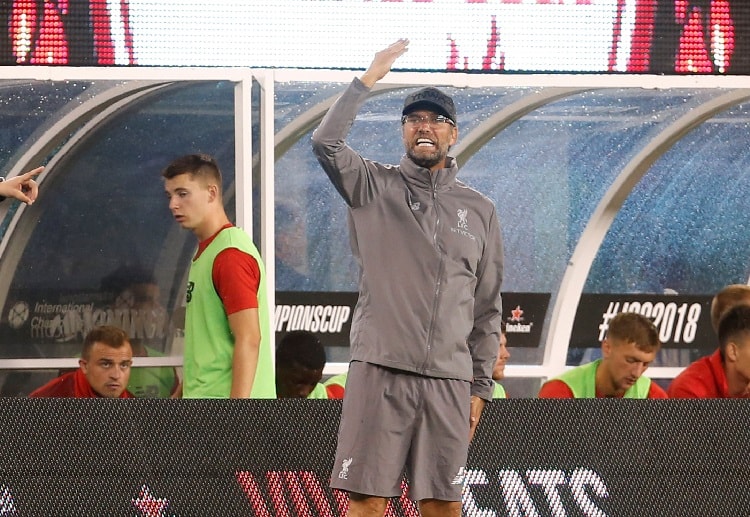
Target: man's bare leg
(437, 508)
(361, 505)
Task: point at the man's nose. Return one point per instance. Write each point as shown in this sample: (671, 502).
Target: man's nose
(304, 392)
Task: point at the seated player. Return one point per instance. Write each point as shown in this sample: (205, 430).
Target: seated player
(300, 359)
(138, 306)
(725, 373)
(629, 347)
(103, 370)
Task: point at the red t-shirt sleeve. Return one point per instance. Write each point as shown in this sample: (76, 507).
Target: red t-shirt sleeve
(656, 392)
(684, 386)
(335, 391)
(555, 389)
(236, 276)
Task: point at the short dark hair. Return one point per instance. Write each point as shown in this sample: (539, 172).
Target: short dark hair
(109, 335)
(734, 323)
(301, 347)
(198, 164)
(635, 328)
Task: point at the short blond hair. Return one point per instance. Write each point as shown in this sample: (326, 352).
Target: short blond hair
(729, 297)
(632, 327)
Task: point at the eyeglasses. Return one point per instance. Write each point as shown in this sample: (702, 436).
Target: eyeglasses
(434, 121)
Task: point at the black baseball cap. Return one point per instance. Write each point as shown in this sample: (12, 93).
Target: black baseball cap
(430, 99)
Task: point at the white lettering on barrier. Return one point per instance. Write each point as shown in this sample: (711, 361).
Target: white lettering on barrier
(582, 478)
(550, 481)
(314, 318)
(303, 493)
(519, 501)
(469, 504)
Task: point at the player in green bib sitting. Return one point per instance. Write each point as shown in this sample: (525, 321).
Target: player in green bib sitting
(630, 345)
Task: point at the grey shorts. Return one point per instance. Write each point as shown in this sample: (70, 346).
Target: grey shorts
(395, 422)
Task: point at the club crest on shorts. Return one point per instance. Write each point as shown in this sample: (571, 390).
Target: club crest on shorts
(344, 474)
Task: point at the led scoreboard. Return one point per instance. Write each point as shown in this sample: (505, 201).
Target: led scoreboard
(486, 36)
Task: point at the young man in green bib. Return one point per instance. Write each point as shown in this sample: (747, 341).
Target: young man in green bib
(630, 346)
(228, 351)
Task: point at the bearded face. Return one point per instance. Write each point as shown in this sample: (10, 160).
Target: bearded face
(427, 139)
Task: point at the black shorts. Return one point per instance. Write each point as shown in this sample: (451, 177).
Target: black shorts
(395, 422)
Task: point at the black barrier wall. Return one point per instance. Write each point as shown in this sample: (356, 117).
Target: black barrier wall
(273, 458)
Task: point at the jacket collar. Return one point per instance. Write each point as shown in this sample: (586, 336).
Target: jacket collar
(421, 177)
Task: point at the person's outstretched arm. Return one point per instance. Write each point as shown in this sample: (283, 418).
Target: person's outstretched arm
(21, 187)
(354, 177)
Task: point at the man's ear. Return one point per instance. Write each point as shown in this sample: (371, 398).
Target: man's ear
(730, 351)
(83, 364)
(606, 347)
(213, 191)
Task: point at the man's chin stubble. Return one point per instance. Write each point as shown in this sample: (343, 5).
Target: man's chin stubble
(427, 162)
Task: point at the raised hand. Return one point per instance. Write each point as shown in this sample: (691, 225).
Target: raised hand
(383, 62)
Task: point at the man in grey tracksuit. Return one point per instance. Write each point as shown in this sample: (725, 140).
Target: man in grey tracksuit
(426, 326)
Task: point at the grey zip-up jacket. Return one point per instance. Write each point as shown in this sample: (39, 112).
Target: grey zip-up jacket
(430, 255)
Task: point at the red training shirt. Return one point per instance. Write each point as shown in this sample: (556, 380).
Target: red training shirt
(703, 379)
(71, 385)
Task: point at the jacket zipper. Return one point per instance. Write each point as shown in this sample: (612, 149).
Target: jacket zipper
(435, 303)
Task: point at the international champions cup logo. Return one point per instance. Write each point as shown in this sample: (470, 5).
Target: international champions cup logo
(18, 315)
